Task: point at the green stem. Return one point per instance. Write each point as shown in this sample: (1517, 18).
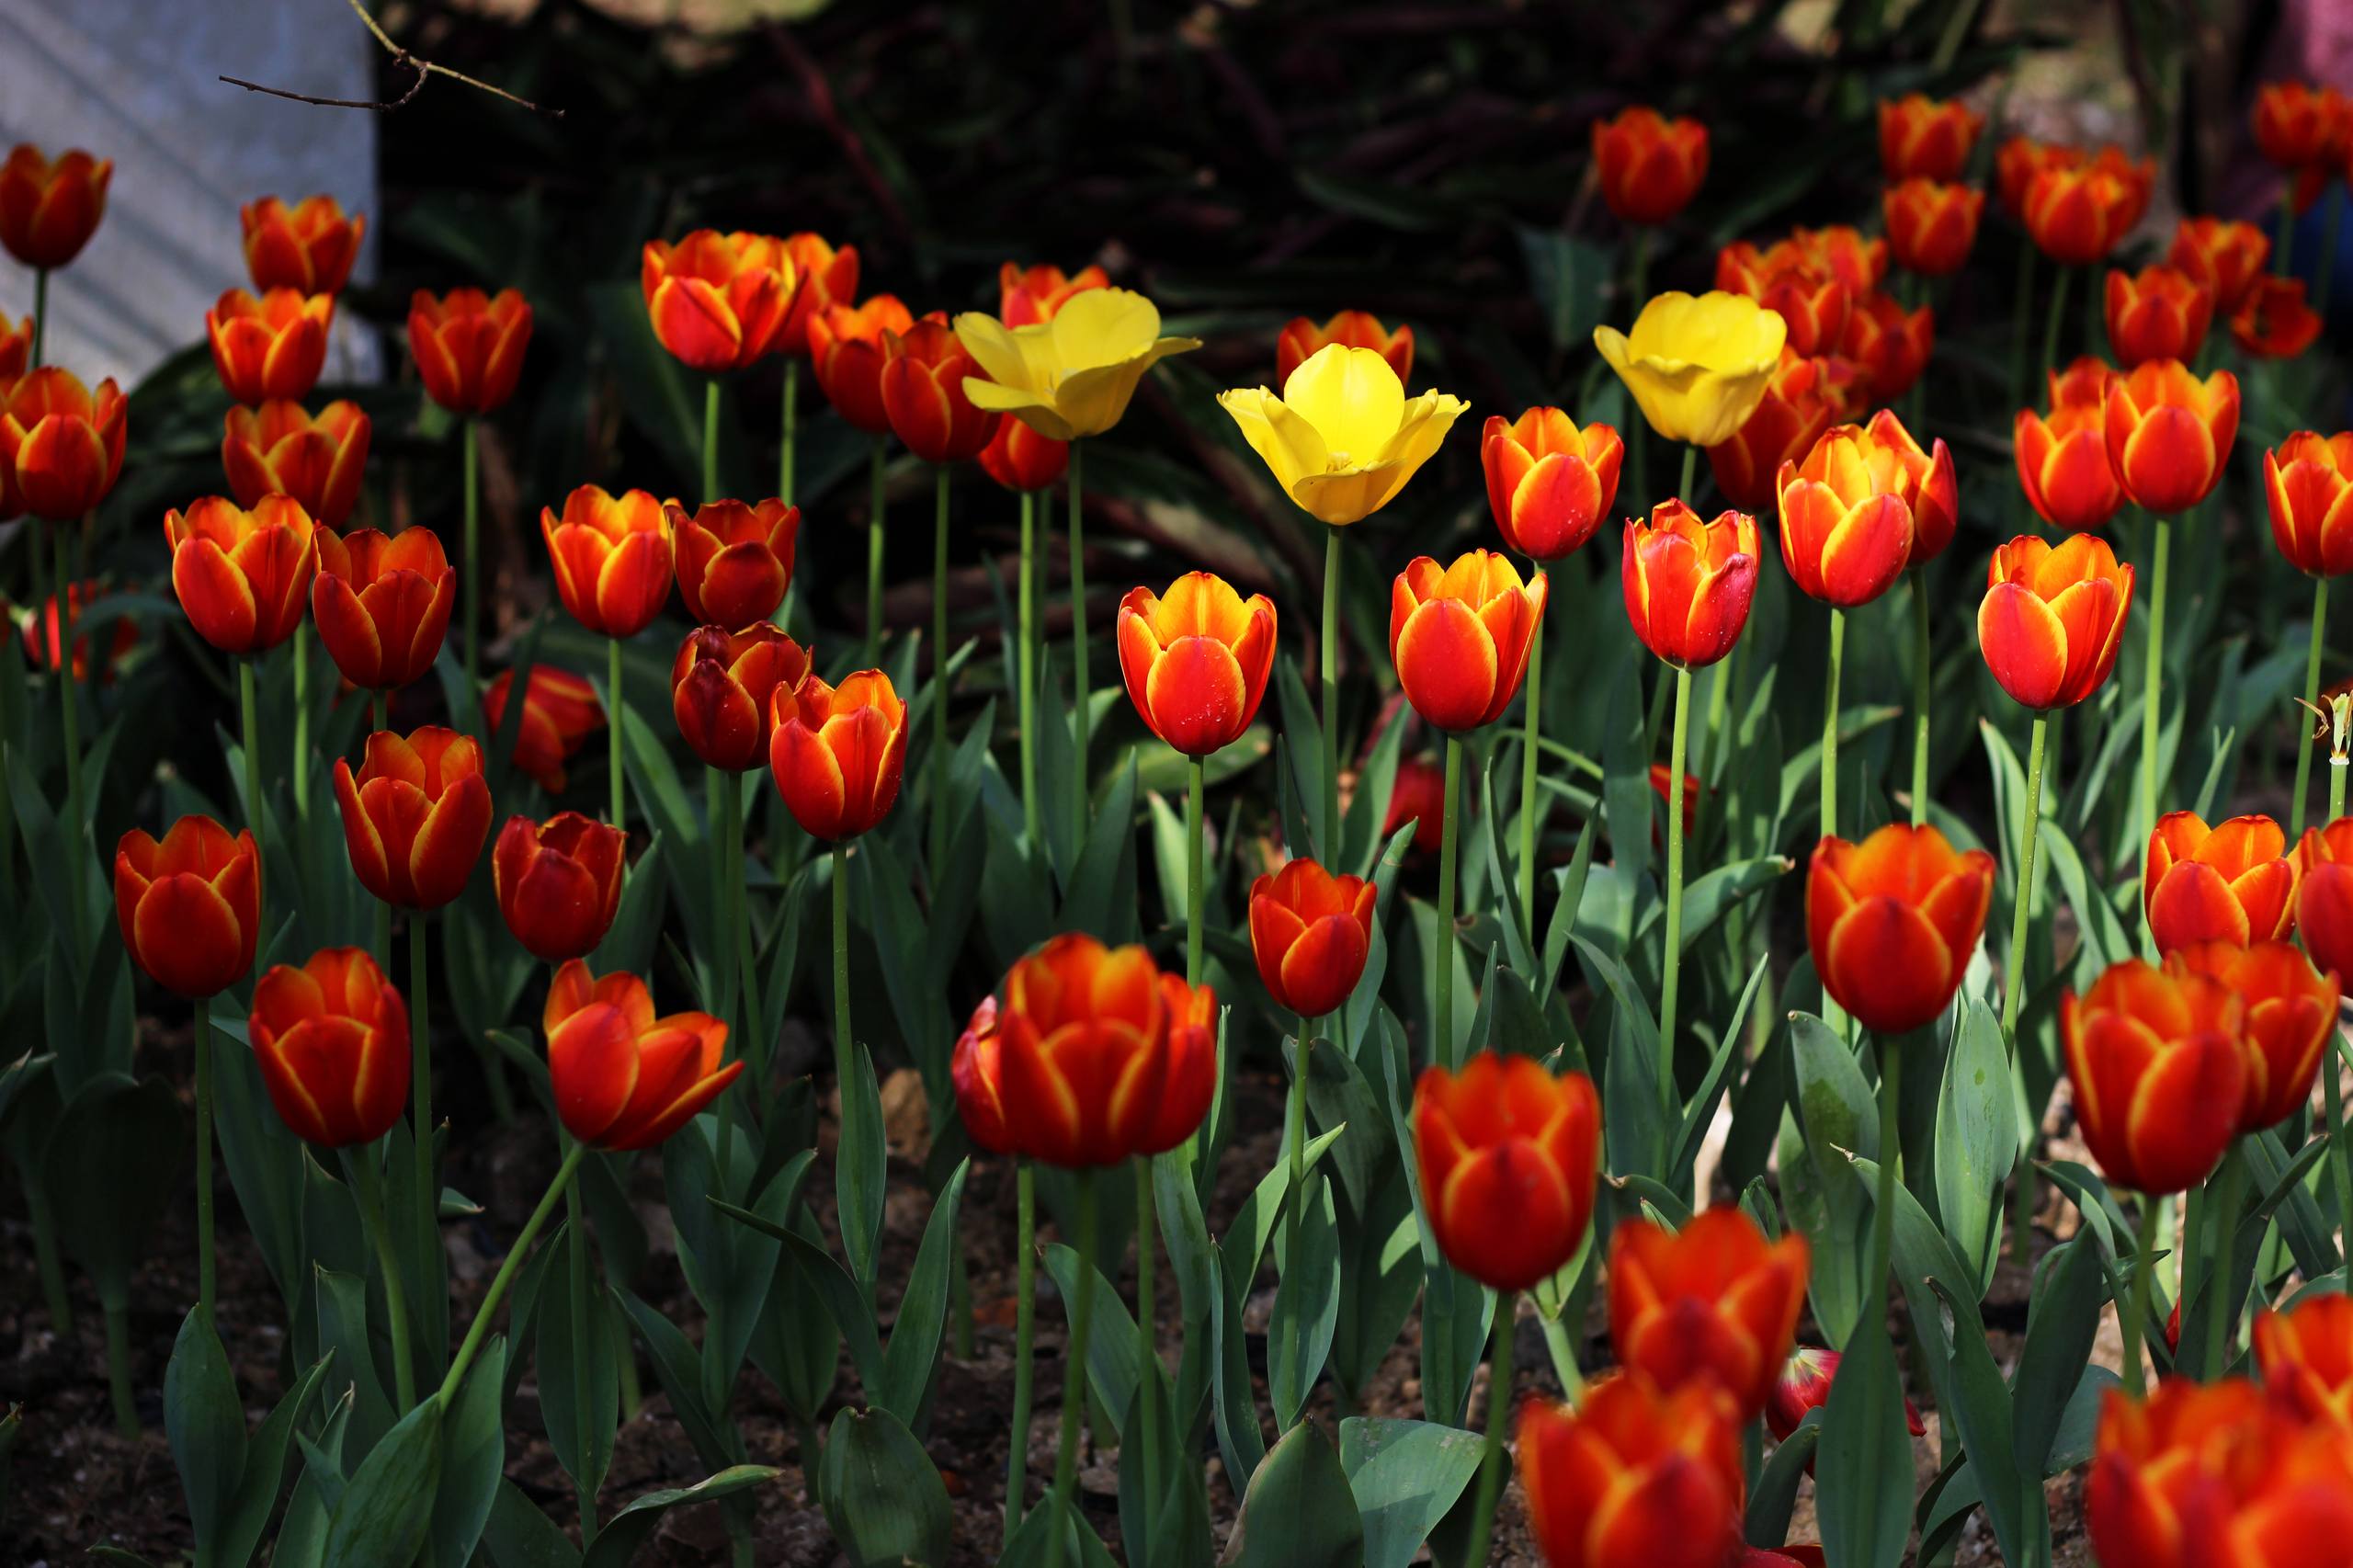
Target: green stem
(1148, 1363)
(1830, 724)
(2144, 1277)
(252, 710)
(368, 1188)
(2151, 680)
(1922, 687)
(470, 582)
(1327, 663)
(207, 1291)
(301, 649)
(1491, 1457)
(2193, 1261)
(2013, 988)
(618, 716)
(2340, 1173)
(1442, 957)
(1956, 31)
(583, 1383)
(2219, 1285)
(938, 863)
(1891, 1159)
(874, 517)
(752, 1048)
(841, 954)
(792, 425)
(58, 1300)
(1671, 962)
(480, 1327)
(1025, 1309)
(126, 1410)
(1529, 811)
(2050, 323)
(1028, 662)
(1075, 1361)
(420, 1090)
(2336, 788)
(1196, 875)
(1564, 1352)
(2312, 699)
(40, 314)
(1295, 1151)
(1083, 718)
(1688, 491)
(2022, 302)
(70, 708)
(711, 440)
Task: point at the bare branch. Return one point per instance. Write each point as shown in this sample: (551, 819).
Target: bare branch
(416, 86)
(401, 56)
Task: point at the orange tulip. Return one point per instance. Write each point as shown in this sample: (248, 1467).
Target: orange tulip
(2077, 213)
(822, 275)
(611, 556)
(1549, 482)
(1300, 338)
(1713, 1304)
(191, 906)
(2159, 1077)
(847, 351)
(469, 346)
(720, 686)
(1507, 1155)
(2290, 1014)
(923, 393)
(2019, 160)
(2306, 1354)
(1804, 1385)
(976, 1068)
(307, 247)
(623, 1078)
(1892, 923)
(416, 814)
(1812, 301)
(2299, 130)
(1847, 530)
(1458, 636)
(558, 882)
(1931, 227)
(43, 637)
(382, 605)
(244, 578)
(2273, 322)
(2159, 313)
(1800, 402)
(1418, 796)
(734, 562)
(331, 1040)
(15, 347)
(717, 301)
(2308, 480)
(837, 753)
(272, 347)
(2062, 460)
(1634, 1477)
(2226, 255)
(1924, 138)
(1027, 295)
(49, 210)
(2232, 882)
(1176, 1112)
(1923, 478)
(60, 445)
(1688, 584)
(1650, 168)
(1311, 932)
(2325, 895)
(2169, 434)
(1842, 251)
(1019, 459)
(1195, 659)
(280, 450)
(560, 712)
(2053, 619)
(1890, 344)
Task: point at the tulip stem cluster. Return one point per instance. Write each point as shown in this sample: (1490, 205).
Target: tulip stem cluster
(470, 612)
(1082, 715)
(1028, 668)
(2312, 700)
(2144, 1273)
(2219, 1291)
(1025, 1313)
(1075, 1362)
(1442, 951)
(479, 1328)
(1491, 1467)
(1671, 964)
(1327, 663)
(368, 1189)
(2153, 676)
(69, 707)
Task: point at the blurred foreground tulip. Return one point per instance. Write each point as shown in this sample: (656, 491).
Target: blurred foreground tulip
(1311, 932)
(1649, 166)
(2053, 619)
(560, 712)
(469, 346)
(1508, 1154)
(717, 301)
(1301, 338)
(2170, 433)
(1548, 482)
(1892, 923)
(307, 247)
(1698, 366)
(1195, 659)
(60, 445)
(1634, 1477)
(2158, 1073)
(2306, 1354)
(1343, 439)
(623, 1078)
(1924, 138)
(2062, 458)
(734, 562)
(1027, 295)
(382, 605)
(415, 815)
(1458, 636)
(189, 907)
(2158, 312)
(1713, 1304)
(244, 578)
(50, 210)
(558, 882)
(837, 753)
(1688, 584)
(331, 1039)
(611, 556)
(2273, 322)
(280, 450)
(1071, 376)
(2290, 1016)
(273, 347)
(2232, 882)
(721, 684)
(2225, 255)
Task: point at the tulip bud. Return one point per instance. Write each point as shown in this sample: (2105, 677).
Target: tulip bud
(60, 445)
(1714, 1303)
(416, 814)
(558, 882)
(469, 346)
(307, 247)
(721, 684)
(1300, 338)
(382, 605)
(836, 753)
(1508, 1154)
(2157, 314)
(2273, 322)
(2232, 882)
(623, 1078)
(49, 210)
(560, 712)
(1634, 1477)
(1311, 932)
(244, 578)
(847, 351)
(189, 907)
(1196, 661)
(1649, 166)
(2053, 619)
(1030, 295)
(1549, 482)
(1892, 923)
(611, 556)
(2290, 1016)
(1930, 226)
(1688, 584)
(1923, 139)
(717, 301)
(273, 347)
(734, 562)
(1085, 1057)
(332, 1042)
(278, 449)
(2159, 1077)
(1459, 635)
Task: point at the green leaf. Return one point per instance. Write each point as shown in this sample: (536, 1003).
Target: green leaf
(473, 1457)
(1307, 1306)
(1976, 1142)
(265, 1472)
(113, 1162)
(625, 1532)
(521, 1534)
(385, 1512)
(1299, 1511)
(1864, 1481)
(1836, 1110)
(881, 1492)
(861, 1166)
(1775, 1495)
(2058, 1346)
(579, 1374)
(1981, 1410)
(913, 1354)
(1404, 1475)
(205, 1424)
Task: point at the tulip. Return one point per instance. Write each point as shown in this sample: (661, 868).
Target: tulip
(1800, 403)
(922, 391)
(1549, 482)
(2325, 895)
(1812, 302)
(2306, 1354)
(836, 752)
(717, 301)
(1649, 166)
(1892, 923)
(307, 247)
(1019, 459)
(1507, 1155)
(624, 1079)
(1084, 1054)
(2299, 130)
(2291, 1016)
(1688, 584)
(822, 275)
(2273, 322)
(243, 577)
(558, 882)
(382, 605)
(1634, 1477)
(60, 445)
(1460, 634)
(280, 450)
(2159, 313)
(1027, 295)
(15, 347)
(2053, 619)
(469, 346)
(2306, 483)
(49, 210)
(847, 351)
(560, 712)
(1418, 796)
(721, 684)
(1195, 659)
(611, 556)
(2017, 161)
(273, 347)
(2233, 882)
(1931, 227)
(1923, 138)
(2170, 433)
(1071, 376)
(1698, 366)
(331, 1039)
(1846, 529)
(2062, 460)
(976, 1069)
(734, 562)
(44, 637)
(1713, 1304)
(1310, 932)
(1804, 1385)
(1890, 344)
(1301, 339)
(1343, 439)
(2227, 256)
(2076, 214)
(415, 815)
(2159, 1076)
(189, 907)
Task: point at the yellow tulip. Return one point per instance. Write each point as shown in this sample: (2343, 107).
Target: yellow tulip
(1698, 366)
(1343, 439)
(1071, 376)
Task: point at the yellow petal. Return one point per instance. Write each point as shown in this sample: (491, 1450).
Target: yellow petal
(1351, 396)
(996, 347)
(1287, 444)
(1027, 406)
(1102, 326)
(1351, 495)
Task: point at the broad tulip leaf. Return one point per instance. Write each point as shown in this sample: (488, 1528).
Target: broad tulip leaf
(473, 1456)
(1405, 1476)
(910, 1358)
(2058, 1346)
(1976, 1142)
(881, 1495)
(1307, 1304)
(206, 1423)
(1864, 1481)
(385, 1512)
(1298, 1511)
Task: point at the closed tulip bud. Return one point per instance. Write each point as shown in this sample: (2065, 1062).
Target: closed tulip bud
(2017, 161)
(1072, 376)
(307, 247)
(2306, 1354)
(717, 301)
(2308, 480)
(2232, 882)
(469, 346)
(15, 345)
(2063, 458)
(382, 605)
(2169, 434)
(836, 753)
(558, 882)
(2299, 130)
(272, 347)
(1176, 1112)
(1084, 1052)
(1019, 459)
(1714, 1303)
(1311, 932)
(2214, 1476)
(1549, 482)
(2157, 314)
(415, 815)
(2290, 1014)
(720, 686)
(1458, 636)
(1650, 168)
(1697, 366)
(244, 578)
(1804, 1385)
(923, 371)
(1800, 403)
(2273, 322)
(2076, 213)
(1931, 227)
(1812, 302)
(1418, 796)
(1301, 338)
(2325, 895)
(1924, 138)
(822, 275)
(1688, 584)
(60, 445)
(2227, 255)
(1195, 659)
(734, 562)
(189, 907)
(976, 1068)
(1890, 344)
(623, 1078)
(560, 712)
(1847, 530)
(44, 637)
(611, 556)
(49, 210)
(1924, 477)
(846, 350)
(1029, 295)
(1343, 439)
(2053, 619)
(1634, 1477)
(1892, 923)
(280, 450)
(2159, 1076)
(331, 1040)
(1508, 1154)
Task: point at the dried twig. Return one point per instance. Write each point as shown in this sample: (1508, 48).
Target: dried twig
(401, 56)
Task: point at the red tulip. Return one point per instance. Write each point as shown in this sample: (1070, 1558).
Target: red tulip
(2019, 160)
(1196, 660)
(1931, 226)
(2300, 128)
(1300, 338)
(44, 638)
(15, 347)
(1019, 459)
(923, 394)
(416, 814)
(469, 346)
(720, 685)
(1800, 402)
(2063, 461)
(2325, 895)
(1311, 932)
(244, 578)
(382, 605)
(822, 276)
(976, 1069)
(717, 301)
(1549, 482)
(1804, 1385)
(1634, 1477)
(278, 449)
(307, 247)
(1892, 923)
(1507, 1155)
(272, 347)
(2053, 621)
(1847, 530)
(1649, 166)
(847, 351)
(2291, 1016)
(2306, 1354)
(1922, 137)
(734, 562)
(2159, 1077)
(1688, 584)
(1811, 300)
(1890, 344)
(191, 906)
(837, 753)
(611, 556)
(2273, 322)
(331, 1040)
(558, 882)
(2077, 213)
(2232, 882)
(1458, 636)
(1713, 1304)
(2169, 434)
(1027, 295)
(560, 712)
(60, 445)
(623, 1078)
(2226, 255)
(2157, 314)
(49, 210)
(1418, 796)
(2308, 480)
